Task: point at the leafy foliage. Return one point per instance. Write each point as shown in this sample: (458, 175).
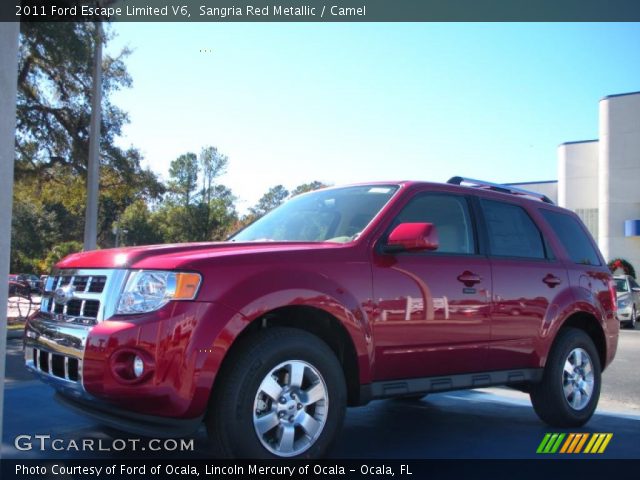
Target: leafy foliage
(274, 197)
(52, 142)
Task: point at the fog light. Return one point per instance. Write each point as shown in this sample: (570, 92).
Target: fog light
(138, 366)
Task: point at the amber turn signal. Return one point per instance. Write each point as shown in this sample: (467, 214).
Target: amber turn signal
(186, 286)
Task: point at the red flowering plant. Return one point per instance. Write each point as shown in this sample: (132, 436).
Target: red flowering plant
(622, 264)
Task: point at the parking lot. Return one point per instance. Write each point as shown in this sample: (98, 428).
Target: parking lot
(484, 423)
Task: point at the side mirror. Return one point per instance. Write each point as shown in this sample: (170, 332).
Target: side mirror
(635, 289)
(413, 237)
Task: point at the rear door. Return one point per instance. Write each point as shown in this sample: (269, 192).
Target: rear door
(526, 278)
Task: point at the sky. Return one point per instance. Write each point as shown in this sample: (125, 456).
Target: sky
(353, 102)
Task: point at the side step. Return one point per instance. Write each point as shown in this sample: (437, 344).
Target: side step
(394, 388)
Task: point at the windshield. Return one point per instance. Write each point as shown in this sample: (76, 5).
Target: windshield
(621, 285)
(333, 215)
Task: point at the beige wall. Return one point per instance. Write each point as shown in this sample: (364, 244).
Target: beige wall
(600, 179)
(619, 175)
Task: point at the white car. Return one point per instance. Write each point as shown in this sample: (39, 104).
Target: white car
(628, 293)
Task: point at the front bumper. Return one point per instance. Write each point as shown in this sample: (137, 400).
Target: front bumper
(136, 423)
(624, 314)
(184, 342)
(54, 353)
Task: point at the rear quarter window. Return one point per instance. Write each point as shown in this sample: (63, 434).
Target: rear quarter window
(573, 237)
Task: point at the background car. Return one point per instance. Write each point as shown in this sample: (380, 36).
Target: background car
(35, 285)
(628, 295)
(18, 289)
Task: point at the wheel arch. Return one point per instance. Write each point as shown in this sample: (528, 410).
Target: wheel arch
(319, 323)
(589, 324)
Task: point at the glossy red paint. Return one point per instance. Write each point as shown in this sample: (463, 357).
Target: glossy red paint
(176, 342)
(414, 237)
(406, 314)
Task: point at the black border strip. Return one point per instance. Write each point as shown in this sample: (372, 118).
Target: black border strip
(326, 10)
(533, 469)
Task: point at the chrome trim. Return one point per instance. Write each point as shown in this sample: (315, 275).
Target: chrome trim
(54, 338)
(65, 339)
(108, 298)
(64, 335)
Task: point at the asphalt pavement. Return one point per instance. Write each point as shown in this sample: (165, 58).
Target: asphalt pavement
(491, 423)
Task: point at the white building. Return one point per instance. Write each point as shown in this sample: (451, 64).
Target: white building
(600, 179)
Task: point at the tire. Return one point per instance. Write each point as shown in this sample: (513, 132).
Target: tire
(568, 398)
(259, 411)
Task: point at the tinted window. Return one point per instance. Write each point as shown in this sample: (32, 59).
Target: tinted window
(633, 283)
(573, 237)
(512, 233)
(449, 214)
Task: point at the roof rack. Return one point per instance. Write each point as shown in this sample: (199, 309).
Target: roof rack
(499, 187)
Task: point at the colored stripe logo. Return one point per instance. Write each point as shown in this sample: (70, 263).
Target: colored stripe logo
(574, 443)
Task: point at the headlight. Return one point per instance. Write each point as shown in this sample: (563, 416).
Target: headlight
(624, 303)
(149, 290)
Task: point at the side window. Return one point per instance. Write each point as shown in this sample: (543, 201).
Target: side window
(573, 237)
(511, 231)
(633, 283)
(449, 214)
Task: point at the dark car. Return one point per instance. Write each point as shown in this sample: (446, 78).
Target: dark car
(34, 282)
(18, 289)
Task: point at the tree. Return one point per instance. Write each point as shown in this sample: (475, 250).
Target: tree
(52, 140)
(57, 253)
(274, 197)
(197, 209)
(184, 178)
(137, 227)
(212, 165)
(307, 187)
(54, 108)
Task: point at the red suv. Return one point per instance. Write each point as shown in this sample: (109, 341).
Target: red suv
(337, 297)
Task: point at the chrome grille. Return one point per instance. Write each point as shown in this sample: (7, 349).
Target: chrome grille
(88, 297)
(82, 283)
(55, 364)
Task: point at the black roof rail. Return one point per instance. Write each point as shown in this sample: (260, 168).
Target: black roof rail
(499, 187)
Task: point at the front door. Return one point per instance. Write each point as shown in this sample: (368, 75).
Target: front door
(432, 308)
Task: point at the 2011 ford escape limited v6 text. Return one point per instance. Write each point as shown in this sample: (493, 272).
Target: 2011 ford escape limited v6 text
(338, 297)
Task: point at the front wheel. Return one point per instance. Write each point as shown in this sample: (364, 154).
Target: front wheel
(281, 395)
(569, 391)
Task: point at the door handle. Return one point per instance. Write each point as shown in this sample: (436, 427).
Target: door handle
(469, 278)
(551, 280)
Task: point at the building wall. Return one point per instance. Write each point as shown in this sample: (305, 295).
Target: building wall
(619, 175)
(549, 188)
(578, 181)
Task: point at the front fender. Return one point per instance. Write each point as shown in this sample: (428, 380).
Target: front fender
(256, 296)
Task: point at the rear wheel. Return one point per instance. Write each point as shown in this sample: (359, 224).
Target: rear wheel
(569, 391)
(282, 395)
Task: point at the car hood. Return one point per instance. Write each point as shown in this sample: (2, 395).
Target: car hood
(180, 255)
